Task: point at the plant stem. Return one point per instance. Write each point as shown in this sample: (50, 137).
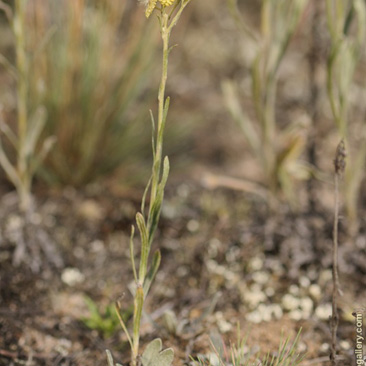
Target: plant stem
(335, 318)
(339, 165)
(24, 185)
(165, 34)
(139, 296)
(157, 183)
(315, 64)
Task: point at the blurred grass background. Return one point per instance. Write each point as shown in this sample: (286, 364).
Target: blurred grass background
(95, 67)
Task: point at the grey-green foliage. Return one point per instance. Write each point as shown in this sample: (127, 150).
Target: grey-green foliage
(277, 150)
(347, 25)
(240, 356)
(110, 359)
(154, 355)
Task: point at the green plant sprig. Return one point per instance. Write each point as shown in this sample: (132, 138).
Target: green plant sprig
(147, 224)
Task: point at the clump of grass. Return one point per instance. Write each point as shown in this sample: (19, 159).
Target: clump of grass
(90, 69)
(276, 150)
(240, 355)
(347, 25)
(28, 150)
(169, 12)
(30, 122)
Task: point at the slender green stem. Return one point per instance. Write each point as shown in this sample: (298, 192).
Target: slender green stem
(156, 184)
(165, 34)
(138, 305)
(156, 172)
(22, 90)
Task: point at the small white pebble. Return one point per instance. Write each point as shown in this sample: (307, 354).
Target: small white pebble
(223, 325)
(232, 254)
(182, 271)
(296, 314)
(72, 276)
(345, 345)
(213, 359)
(254, 317)
(294, 289)
(325, 276)
(14, 223)
(290, 302)
(97, 246)
(315, 291)
(306, 305)
(304, 282)
(269, 291)
(260, 277)
(301, 348)
(230, 276)
(256, 264)
(265, 312)
(193, 226)
(324, 347)
(276, 311)
(253, 298)
(323, 311)
(63, 347)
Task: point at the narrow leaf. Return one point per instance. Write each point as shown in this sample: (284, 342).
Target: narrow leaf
(9, 168)
(145, 194)
(145, 245)
(123, 325)
(153, 132)
(6, 130)
(166, 169)
(36, 125)
(141, 226)
(47, 145)
(109, 358)
(152, 272)
(132, 253)
(8, 66)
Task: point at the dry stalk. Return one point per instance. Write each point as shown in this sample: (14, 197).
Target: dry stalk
(339, 165)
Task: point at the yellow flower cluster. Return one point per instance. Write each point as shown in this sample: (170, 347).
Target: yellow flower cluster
(152, 5)
(166, 2)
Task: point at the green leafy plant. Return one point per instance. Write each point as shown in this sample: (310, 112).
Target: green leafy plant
(106, 323)
(90, 68)
(30, 122)
(169, 12)
(346, 48)
(277, 150)
(238, 355)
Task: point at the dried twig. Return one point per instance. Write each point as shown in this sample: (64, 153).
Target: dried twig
(339, 165)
